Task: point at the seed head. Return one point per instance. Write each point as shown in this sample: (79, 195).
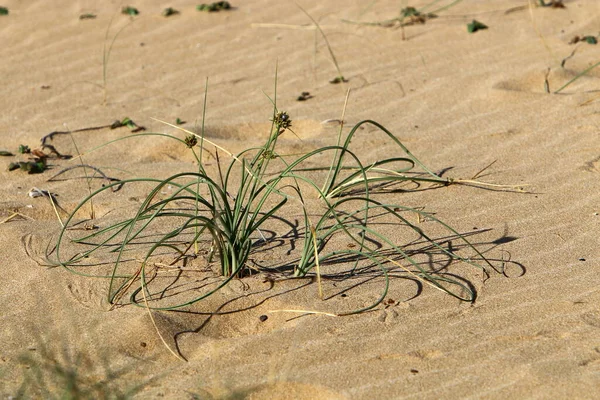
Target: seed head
(191, 141)
(282, 120)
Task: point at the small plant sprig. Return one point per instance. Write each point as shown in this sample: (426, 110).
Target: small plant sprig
(214, 7)
(128, 10)
(475, 26)
(3, 11)
(169, 11)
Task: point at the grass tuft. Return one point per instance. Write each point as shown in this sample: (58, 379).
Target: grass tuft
(162, 256)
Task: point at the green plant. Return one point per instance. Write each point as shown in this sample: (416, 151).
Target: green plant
(222, 215)
(213, 7)
(169, 11)
(128, 10)
(3, 11)
(475, 26)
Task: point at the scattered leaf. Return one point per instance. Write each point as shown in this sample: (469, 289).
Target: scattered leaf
(24, 149)
(304, 96)
(3, 11)
(167, 12)
(338, 79)
(128, 123)
(475, 26)
(213, 7)
(179, 121)
(45, 87)
(553, 4)
(87, 16)
(32, 167)
(587, 39)
(409, 12)
(129, 11)
(5, 153)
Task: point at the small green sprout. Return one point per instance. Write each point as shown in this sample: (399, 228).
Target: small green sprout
(409, 12)
(32, 167)
(167, 12)
(128, 123)
(179, 121)
(475, 26)
(213, 7)
(24, 149)
(130, 11)
(3, 11)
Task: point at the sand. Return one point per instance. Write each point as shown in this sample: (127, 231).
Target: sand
(459, 101)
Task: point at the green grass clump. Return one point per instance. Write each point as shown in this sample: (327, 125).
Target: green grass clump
(229, 216)
(3, 11)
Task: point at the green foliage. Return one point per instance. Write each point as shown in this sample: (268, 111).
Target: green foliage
(5, 153)
(167, 12)
(223, 217)
(128, 10)
(128, 123)
(31, 167)
(3, 11)
(87, 16)
(475, 26)
(214, 7)
(24, 149)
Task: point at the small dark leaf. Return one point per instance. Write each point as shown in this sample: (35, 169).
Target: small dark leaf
(338, 79)
(87, 16)
(3, 11)
(129, 11)
(167, 12)
(475, 26)
(5, 153)
(213, 7)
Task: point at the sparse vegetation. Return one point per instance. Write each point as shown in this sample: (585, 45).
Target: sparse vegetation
(224, 218)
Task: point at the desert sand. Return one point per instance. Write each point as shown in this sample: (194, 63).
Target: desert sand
(458, 101)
